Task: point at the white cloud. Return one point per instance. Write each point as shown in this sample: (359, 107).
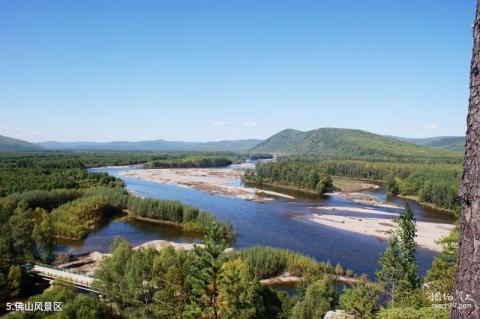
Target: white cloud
(431, 127)
(218, 123)
(250, 124)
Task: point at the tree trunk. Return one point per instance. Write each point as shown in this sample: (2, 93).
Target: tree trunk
(467, 288)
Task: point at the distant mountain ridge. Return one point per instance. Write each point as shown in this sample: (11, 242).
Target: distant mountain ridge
(337, 142)
(9, 144)
(452, 143)
(155, 145)
(325, 141)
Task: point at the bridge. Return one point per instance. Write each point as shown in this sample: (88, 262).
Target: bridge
(48, 272)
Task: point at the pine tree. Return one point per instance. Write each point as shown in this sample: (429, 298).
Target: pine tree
(398, 275)
(170, 271)
(360, 300)
(205, 276)
(441, 277)
(239, 293)
(390, 274)
(408, 248)
(320, 297)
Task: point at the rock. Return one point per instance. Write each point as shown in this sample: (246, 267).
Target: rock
(338, 314)
(160, 244)
(284, 278)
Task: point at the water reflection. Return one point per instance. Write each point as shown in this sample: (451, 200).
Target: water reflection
(136, 232)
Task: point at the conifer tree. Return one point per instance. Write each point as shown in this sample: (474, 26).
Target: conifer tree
(408, 248)
(239, 293)
(205, 276)
(320, 297)
(398, 275)
(390, 275)
(360, 300)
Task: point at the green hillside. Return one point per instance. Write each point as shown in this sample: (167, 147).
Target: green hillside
(348, 143)
(452, 143)
(8, 144)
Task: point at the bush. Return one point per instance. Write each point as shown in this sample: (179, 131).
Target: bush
(267, 262)
(412, 313)
(320, 297)
(360, 300)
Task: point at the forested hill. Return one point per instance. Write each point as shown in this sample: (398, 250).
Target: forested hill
(156, 145)
(452, 143)
(348, 143)
(8, 144)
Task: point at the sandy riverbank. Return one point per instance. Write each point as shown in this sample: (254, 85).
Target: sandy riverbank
(287, 278)
(372, 217)
(379, 223)
(362, 198)
(218, 181)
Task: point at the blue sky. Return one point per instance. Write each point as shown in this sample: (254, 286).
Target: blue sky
(230, 69)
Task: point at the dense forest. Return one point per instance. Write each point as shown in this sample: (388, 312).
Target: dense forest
(452, 143)
(293, 174)
(430, 175)
(214, 282)
(336, 143)
(46, 196)
(190, 162)
(54, 170)
(56, 196)
(190, 218)
(437, 184)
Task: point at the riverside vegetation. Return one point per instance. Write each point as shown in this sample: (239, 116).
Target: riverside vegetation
(430, 175)
(212, 282)
(208, 282)
(46, 196)
(435, 184)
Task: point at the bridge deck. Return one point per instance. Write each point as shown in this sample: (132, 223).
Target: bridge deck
(78, 280)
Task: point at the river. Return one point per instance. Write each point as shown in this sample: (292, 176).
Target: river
(273, 223)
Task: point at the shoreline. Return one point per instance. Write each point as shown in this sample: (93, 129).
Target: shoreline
(66, 238)
(350, 194)
(87, 264)
(286, 278)
(216, 181)
(365, 199)
(378, 223)
(372, 217)
(154, 221)
(440, 210)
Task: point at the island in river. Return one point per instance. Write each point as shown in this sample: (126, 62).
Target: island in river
(217, 181)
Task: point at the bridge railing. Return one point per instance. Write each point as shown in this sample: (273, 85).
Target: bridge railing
(63, 275)
(59, 269)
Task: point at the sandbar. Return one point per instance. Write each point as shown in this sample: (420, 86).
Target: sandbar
(217, 181)
(379, 223)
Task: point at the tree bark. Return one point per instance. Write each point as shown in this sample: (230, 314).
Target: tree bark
(467, 287)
